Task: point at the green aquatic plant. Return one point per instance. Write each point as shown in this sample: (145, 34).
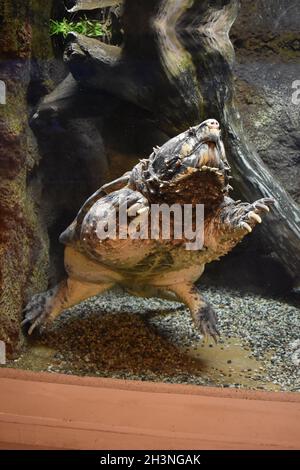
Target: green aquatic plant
(84, 26)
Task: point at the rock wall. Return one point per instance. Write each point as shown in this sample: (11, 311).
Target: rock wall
(265, 36)
(267, 46)
(24, 44)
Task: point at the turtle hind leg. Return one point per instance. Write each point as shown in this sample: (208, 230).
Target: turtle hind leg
(45, 307)
(203, 314)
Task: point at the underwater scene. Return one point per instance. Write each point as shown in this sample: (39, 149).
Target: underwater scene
(150, 190)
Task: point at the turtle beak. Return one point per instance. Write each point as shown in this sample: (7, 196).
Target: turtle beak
(212, 125)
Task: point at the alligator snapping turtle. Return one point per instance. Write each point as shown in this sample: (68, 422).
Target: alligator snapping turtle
(189, 169)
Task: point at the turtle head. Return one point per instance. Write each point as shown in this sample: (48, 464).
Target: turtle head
(192, 166)
(202, 146)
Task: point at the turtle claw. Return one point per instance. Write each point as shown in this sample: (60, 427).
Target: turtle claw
(262, 205)
(206, 321)
(253, 215)
(36, 311)
(246, 226)
(258, 209)
(249, 215)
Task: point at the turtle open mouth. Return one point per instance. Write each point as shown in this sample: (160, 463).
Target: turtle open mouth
(209, 154)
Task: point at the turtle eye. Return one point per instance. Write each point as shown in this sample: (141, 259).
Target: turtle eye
(192, 132)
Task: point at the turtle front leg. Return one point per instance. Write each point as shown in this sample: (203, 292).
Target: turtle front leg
(45, 307)
(203, 314)
(233, 221)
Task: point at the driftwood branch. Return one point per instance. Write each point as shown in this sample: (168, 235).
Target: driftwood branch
(69, 101)
(153, 70)
(77, 5)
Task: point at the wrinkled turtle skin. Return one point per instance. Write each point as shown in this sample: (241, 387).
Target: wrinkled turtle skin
(192, 169)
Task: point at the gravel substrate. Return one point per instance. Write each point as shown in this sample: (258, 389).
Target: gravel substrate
(120, 336)
(269, 327)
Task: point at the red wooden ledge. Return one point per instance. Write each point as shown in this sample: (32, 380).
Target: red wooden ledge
(41, 410)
